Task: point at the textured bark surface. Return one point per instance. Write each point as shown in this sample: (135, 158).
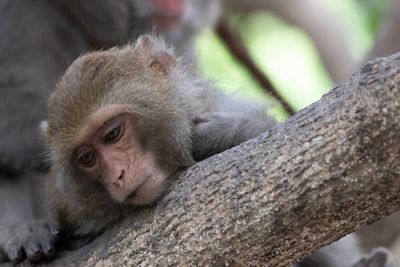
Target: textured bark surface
(269, 202)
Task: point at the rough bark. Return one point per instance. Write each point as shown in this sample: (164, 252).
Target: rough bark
(323, 28)
(385, 232)
(272, 200)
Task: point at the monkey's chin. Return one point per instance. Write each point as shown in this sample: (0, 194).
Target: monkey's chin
(148, 192)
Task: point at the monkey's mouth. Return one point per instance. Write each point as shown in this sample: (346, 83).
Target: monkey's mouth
(134, 193)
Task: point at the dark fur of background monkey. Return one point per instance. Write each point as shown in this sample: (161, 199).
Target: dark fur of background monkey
(39, 40)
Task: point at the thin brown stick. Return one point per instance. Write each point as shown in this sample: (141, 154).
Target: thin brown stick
(237, 47)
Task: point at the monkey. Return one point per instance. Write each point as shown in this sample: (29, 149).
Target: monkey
(68, 29)
(113, 22)
(36, 48)
(39, 41)
(120, 123)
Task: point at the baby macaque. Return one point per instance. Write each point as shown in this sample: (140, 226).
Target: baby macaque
(39, 40)
(120, 123)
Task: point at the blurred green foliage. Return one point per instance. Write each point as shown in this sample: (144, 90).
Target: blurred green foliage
(286, 53)
(373, 11)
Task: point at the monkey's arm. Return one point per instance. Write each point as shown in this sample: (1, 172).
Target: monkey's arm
(219, 131)
(73, 222)
(230, 124)
(81, 209)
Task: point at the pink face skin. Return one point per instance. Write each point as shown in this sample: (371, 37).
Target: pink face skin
(113, 154)
(167, 14)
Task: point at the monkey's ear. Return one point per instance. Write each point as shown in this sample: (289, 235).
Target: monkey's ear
(43, 128)
(155, 54)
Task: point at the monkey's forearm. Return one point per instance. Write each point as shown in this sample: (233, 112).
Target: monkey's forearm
(252, 126)
(219, 131)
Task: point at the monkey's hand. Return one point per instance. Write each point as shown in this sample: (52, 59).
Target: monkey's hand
(216, 132)
(33, 240)
(377, 258)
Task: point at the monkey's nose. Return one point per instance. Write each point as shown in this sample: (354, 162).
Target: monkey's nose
(119, 182)
(121, 177)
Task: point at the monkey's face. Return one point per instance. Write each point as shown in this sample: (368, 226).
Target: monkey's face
(123, 117)
(112, 152)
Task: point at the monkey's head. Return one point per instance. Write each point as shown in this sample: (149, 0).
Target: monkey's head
(122, 118)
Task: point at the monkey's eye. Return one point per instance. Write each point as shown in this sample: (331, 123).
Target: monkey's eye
(86, 157)
(113, 135)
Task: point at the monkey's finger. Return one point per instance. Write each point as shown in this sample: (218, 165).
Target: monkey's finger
(48, 248)
(46, 239)
(33, 251)
(15, 255)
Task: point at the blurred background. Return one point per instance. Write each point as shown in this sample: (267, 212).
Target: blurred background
(299, 50)
(304, 47)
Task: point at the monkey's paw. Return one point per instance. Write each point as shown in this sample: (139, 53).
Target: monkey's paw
(214, 133)
(377, 258)
(33, 240)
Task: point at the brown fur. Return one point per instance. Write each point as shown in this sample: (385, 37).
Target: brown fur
(182, 117)
(149, 80)
(39, 41)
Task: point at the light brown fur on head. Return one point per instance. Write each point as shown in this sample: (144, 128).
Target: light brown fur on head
(160, 117)
(145, 78)
(144, 81)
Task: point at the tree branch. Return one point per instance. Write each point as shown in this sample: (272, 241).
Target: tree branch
(272, 200)
(238, 49)
(318, 22)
